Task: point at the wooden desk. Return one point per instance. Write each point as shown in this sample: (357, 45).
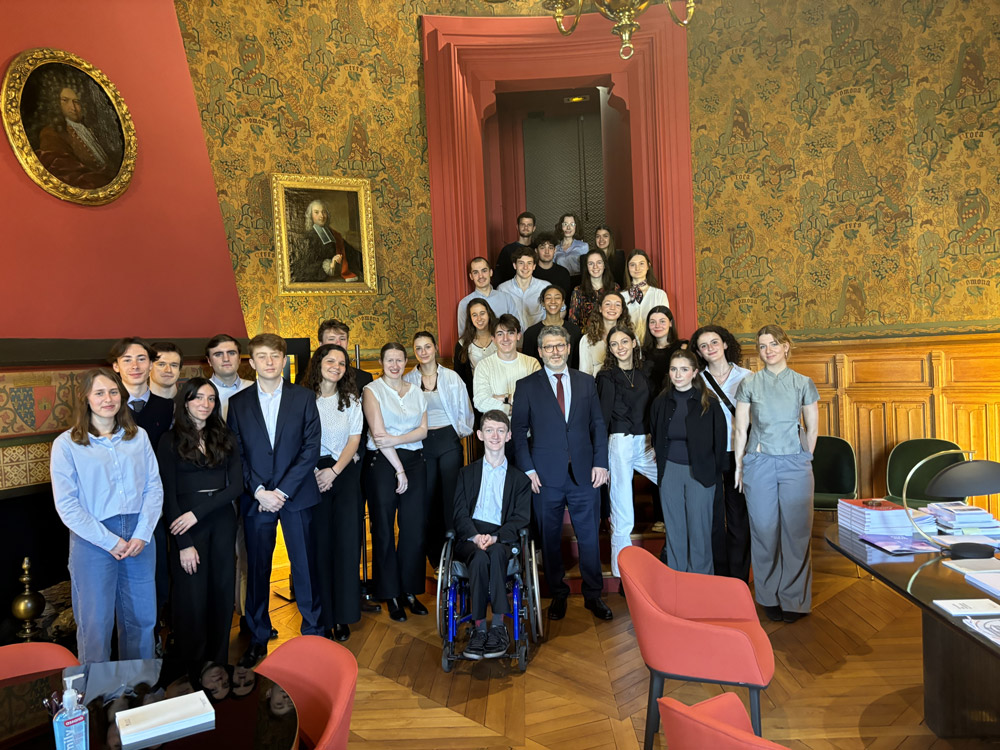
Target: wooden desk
(961, 666)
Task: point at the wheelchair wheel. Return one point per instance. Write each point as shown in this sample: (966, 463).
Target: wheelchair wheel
(534, 597)
(443, 581)
(522, 657)
(446, 663)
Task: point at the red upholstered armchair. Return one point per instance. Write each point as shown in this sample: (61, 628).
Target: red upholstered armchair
(320, 676)
(720, 723)
(694, 627)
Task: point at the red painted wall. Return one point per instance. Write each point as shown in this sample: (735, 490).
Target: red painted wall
(155, 262)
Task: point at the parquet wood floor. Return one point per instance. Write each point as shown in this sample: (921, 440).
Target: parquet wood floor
(848, 676)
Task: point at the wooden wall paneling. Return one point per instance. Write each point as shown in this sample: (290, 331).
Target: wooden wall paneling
(870, 441)
(972, 420)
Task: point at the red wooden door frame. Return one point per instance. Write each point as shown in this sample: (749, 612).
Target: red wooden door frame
(465, 58)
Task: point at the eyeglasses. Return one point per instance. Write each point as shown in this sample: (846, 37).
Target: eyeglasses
(569, 223)
(549, 348)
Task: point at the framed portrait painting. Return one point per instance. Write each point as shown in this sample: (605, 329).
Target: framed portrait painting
(68, 125)
(323, 235)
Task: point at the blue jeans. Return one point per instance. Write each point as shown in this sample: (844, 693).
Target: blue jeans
(104, 587)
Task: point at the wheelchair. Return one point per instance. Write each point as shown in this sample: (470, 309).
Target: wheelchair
(453, 602)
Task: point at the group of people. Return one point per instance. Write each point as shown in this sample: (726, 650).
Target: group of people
(172, 492)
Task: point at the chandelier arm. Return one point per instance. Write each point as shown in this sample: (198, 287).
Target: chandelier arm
(558, 16)
(689, 10)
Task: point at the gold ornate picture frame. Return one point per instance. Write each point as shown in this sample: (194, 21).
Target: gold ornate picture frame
(323, 235)
(69, 126)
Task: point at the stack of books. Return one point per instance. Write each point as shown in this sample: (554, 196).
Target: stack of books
(956, 518)
(886, 518)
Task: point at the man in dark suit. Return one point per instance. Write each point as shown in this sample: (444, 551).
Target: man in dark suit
(277, 429)
(132, 359)
(492, 505)
(566, 460)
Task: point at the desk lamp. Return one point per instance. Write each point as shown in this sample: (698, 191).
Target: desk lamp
(959, 480)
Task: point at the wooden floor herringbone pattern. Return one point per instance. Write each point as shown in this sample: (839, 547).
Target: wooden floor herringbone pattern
(847, 676)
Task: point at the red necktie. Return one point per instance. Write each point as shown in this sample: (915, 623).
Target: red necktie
(560, 394)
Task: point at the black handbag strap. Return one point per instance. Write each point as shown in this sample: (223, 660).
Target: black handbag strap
(718, 389)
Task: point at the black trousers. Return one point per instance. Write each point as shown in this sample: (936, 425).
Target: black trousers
(203, 600)
(443, 457)
(730, 527)
(487, 576)
(338, 549)
(400, 566)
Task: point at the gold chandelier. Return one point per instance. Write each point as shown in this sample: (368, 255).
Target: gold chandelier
(622, 12)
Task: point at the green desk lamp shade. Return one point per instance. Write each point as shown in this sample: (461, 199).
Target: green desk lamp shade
(959, 480)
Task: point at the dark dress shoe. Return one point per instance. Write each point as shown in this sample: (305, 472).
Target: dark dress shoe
(396, 611)
(253, 655)
(621, 589)
(341, 632)
(793, 616)
(599, 608)
(557, 609)
(274, 634)
(416, 606)
(369, 606)
(774, 612)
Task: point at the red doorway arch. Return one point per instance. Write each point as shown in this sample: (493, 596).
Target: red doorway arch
(465, 59)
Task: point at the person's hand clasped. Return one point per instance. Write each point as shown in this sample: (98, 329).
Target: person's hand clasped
(183, 523)
(325, 479)
(269, 500)
(598, 476)
(120, 550)
(484, 541)
(134, 547)
(401, 482)
(383, 440)
(190, 560)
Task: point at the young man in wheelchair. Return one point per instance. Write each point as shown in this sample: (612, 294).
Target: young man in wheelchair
(492, 505)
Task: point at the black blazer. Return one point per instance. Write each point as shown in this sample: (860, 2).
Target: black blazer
(515, 511)
(289, 465)
(155, 418)
(555, 441)
(706, 437)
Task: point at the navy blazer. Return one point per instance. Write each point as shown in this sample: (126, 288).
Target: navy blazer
(289, 466)
(555, 441)
(515, 508)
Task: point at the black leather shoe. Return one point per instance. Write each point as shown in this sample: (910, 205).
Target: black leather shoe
(341, 632)
(774, 613)
(396, 611)
(274, 634)
(793, 616)
(599, 608)
(557, 609)
(416, 606)
(369, 606)
(253, 655)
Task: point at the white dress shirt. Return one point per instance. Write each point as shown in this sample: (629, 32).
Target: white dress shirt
(226, 392)
(338, 426)
(489, 503)
(270, 403)
(400, 415)
(454, 398)
(528, 302)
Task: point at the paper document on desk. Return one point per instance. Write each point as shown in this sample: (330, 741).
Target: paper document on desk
(968, 606)
(973, 565)
(990, 628)
(988, 581)
(950, 539)
(165, 720)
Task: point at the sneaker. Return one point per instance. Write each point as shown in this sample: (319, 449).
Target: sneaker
(497, 642)
(658, 528)
(477, 645)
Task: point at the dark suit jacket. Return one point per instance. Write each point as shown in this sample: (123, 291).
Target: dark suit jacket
(706, 437)
(516, 507)
(156, 417)
(289, 465)
(555, 441)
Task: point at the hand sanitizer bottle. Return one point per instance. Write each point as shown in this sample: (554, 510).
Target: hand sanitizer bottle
(71, 724)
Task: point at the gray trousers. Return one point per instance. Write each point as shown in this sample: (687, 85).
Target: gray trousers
(779, 492)
(687, 515)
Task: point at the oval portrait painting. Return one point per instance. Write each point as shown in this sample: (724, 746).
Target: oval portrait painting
(69, 126)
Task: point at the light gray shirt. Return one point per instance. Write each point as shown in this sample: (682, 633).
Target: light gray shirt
(489, 504)
(500, 303)
(730, 387)
(270, 403)
(776, 403)
(554, 382)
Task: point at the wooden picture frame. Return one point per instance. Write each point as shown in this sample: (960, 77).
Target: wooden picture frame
(69, 126)
(323, 235)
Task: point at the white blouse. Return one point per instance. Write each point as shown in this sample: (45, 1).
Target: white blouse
(592, 355)
(478, 353)
(338, 426)
(399, 414)
(639, 311)
(454, 397)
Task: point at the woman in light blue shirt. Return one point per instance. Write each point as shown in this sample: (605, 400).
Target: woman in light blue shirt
(571, 247)
(107, 491)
